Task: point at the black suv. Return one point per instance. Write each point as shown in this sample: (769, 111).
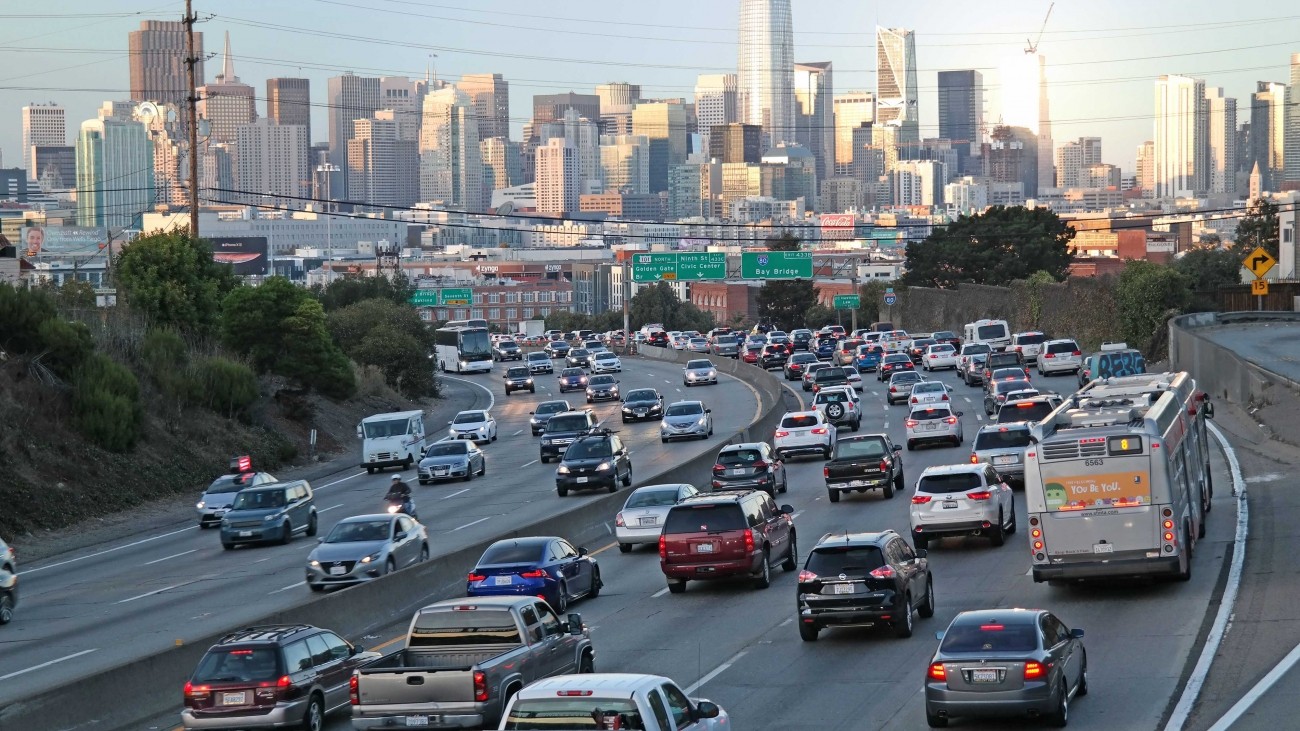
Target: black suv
(643, 403)
(272, 676)
(772, 356)
(517, 378)
(747, 466)
(863, 580)
(868, 462)
(796, 363)
(598, 459)
(562, 430)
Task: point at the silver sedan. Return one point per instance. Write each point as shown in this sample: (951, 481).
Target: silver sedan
(449, 459)
(686, 420)
(366, 547)
(698, 372)
(642, 518)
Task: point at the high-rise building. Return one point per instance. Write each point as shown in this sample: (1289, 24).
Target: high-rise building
(56, 167)
(405, 96)
(664, 123)
(1101, 175)
(558, 179)
(1012, 157)
(451, 159)
(814, 94)
(227, 103)
(273, 162)
(584, 137)
(158, 70)
(1268, 132)
(616, 94)
(961, 113)
(1074, 158)
(717, 100)
(1291, 141)
(896, 91)
(115, 181)
(736, 143)
(44, 125)
(490, 94)
(288, 102)
(852, 110)
(625, 163)
(1181, 146)
(919, 183)
(1145, 168)
(550, 107)
(1222, 160)
(765, 67)
(382, 167)
(351, 97)
(169, 176)
(502, 166)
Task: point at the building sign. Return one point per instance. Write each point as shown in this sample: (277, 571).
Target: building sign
(61, 241)
(554, 267)
(246, 254)
(482, 270)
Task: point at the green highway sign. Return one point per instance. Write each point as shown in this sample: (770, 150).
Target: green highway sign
(686, 266)
(442, 297)
(847, 302)
(776, 265)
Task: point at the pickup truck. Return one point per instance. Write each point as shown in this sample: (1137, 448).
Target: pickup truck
(868, 462)
(611, 701)
(464, 659)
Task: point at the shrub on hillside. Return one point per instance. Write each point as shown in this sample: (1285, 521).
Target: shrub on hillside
(164, 357)
(1145, 296)
(106, 403)
(65, 345)
(225, 386)
(22, 311)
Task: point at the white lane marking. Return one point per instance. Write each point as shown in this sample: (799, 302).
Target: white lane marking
(48, 663)
(787, 621)
(157, 591)
(526, 464)
(521, 431)
(287, 588)
(979, 417)
(659, 593)
(1273, 477)
(886, 424)
(886, 408)
(1226, 605)
(345, 479)
(796, 515)
(326, 510)
(174, 555)
(715, 672)
(967, 399)
(109, 550)
(476, 522)
(260, 560)
(679, 390)
(454, 494)
(492, 398)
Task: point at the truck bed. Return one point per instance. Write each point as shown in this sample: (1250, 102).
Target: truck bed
(455, 658)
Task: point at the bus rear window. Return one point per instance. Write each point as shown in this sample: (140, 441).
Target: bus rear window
(992, 332)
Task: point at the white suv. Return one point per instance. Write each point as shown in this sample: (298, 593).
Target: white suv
(1060, 356)
(1028, 344)
(933, 423)
(804, 432)
(961, 500)
(841, 406)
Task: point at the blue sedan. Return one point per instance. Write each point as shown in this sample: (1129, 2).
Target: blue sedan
(542, 566)
(573, 379)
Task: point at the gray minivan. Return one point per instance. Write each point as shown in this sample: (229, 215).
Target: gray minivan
(273, 512)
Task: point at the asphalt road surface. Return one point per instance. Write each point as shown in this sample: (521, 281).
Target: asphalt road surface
(90, 610)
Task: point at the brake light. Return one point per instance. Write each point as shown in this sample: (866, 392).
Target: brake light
(820, 430)
(991, 627)
(780, 434)
(194, 691)
(476, 577)
(920, 499)
(574, 693)
(1169, 537)
(910, 423)
(1033, 670)
(974, 459)
(1048, 355)
(283, 682)
(1036, 533)
(354, 695)
(480, 686)
(884, 572)
(760, 465)
(951, 420)
(718, 468)
(807, 575)
(534, 574)
(1169, 525)
(945, 397)
(893, 389)
(663, 547)
(937, 671)
(914, 400)
(749, 540)
(619, 522)
(979, 495)
(884, 466)
(1077, 353)
(826, 472)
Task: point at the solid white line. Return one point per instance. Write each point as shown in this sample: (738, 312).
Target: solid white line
(1226, 605)
(480, 520)
(715, 672)
(526, 464)
(326, 510)
(454, 494)
(109, 550)
(16, 673)
(1256, 692)
(345, 479)
(521, 431)
(156, 591)
(787, 621)
(659, 593)
(492, 398)
(174, 555)
(287, 588)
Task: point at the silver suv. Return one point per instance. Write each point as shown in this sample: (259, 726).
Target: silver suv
(841, 406)
(1003, 446)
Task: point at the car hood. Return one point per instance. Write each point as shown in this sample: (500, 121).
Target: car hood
(514, 379)
(350, 551)
(585, 463)
(639, 404)
(602, 386)
(469, 426)
(252, 514)
(682, 420)
(218, 499)
(445, 460)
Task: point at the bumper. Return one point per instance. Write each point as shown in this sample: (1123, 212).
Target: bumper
(766, 482)
(1052, 365)
(655, 415)
(470, 436)
(435, 720)
(959, 528)
(283, 715)
(586, 482)
(833, 613)
(801, 447)
(427, 476)
(512, 387)
(210, 516)
(694, 380)
(381, 463)
(637, 536)
(1130, 567)
(861, 484)
(359, 574)
(602, 396)
(554, 451)
(1034, 699)
(541, 369)
(931, 436)
(693, 432)
(255, 535)
(713, 570)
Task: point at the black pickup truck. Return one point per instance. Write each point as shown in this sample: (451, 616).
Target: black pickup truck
(867, 462)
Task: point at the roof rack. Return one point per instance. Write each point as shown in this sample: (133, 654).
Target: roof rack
(263, 633)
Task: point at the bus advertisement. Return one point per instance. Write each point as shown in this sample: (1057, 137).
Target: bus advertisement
(462, 349)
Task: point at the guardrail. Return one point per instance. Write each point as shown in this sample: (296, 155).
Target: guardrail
(129, 694)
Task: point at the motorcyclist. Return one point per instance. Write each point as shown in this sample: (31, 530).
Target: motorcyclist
(399, 490)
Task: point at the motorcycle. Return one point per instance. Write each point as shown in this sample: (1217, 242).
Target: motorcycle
(401, 505)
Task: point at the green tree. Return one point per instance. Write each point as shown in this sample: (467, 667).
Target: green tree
(786, 304)
(997, 247)
(1146, 295)
(67, 345)
(73, 294)
(172, 280)
(1259, 228)
(106, 403)
(22, 311)
(350, 290)
(391, 337)
(785, 242)
(1036, 284)
(819, 316)
(1207, 270)
(659, 303)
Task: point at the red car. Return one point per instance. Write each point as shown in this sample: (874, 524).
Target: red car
(751, 353)
(738, 534)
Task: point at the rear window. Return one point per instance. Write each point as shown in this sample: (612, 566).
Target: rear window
(990, 638)
(478, 627)
(1033, 339)
(652, 498)
(923, 343)
(834, 397)
(930, 414)
(704, 519)
(798, 422)
(1062, 348)
(740, 457)
(955, 482)
(725, 340)
(239, 665)
(1024, 411)
(861, 448)
(829, 374)
(976, 348)
(566, 423)
(1002, 439)
(1009, 386)
(1003, 359)
(511, 553)
(904, 378)
(544, 714)
(945, 335)
(829, 561)
(991, 332)
(897, 358)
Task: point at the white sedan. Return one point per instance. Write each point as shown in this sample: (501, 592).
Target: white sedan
(930, 392)
(941, 355)
(606, 362)
(476, 425)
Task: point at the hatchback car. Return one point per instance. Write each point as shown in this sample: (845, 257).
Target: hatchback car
(642, 518)
(686, 420)
(804, 432)
(450, 459)
(699, 372)
(1003, 446)
(841, 406)
(795, 365)
(801, 338)
(545, 410)
(366, 547)
(749, 465)
(275, 512)
(894, 363)
(216, 500)
(1059, 356)
(602, 388)
(544, 566)
(996, 394)
(271, 676)
(642, 404)
(901, 385)
(933, 423)
(863, 580)
(572, 379)
(824, 349)
(727, 535)
(518, 378)
(752, 354)
(1006, 663)
(939, 356)
(539, 362)
(476, 425)
(599, 459)
(930, 392)
(961, 500)
(606, 362)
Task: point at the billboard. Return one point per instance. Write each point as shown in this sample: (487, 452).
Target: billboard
(837, 221)
(54, 241)
(246, 254)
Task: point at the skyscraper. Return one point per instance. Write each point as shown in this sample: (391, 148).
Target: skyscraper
(1268, 132)
(896, 94)
(717, 102)
(1222, 160)
(288, 102)
(502, 166)
(115, 181)
(1292, 136)
(550, 107)
(490, 94)
(625, 163)
(227, 103)
(1073, 160)
(44, 125)
(1013, 158)
(405, 96)
(814, 92)
(351, 97)
(1181, 150)
(961, 113)
(557, 182)
(664, 123)
(451, 159)
(852, 110)
(736, 143)
(273, 162)
(1025, 104)
(584, 137)
(618, 94)
(158, 70)
(382, 167)
(1145, 168)
(765, 67)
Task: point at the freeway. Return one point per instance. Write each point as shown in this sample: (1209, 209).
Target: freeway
(87, 611)
(740, 647)
(1269, 345)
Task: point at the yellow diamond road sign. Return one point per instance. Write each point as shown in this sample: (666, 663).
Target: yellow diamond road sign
(1259, 262)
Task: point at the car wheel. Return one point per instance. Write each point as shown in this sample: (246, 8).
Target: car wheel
(1082, 690)
(826, 452)
(389, 566)
(483, 470)
(926, 610)
(676, 586)
(808, 631)
(1060, 716)
(228, 546)
(316, 587)
(791, 561)
(833, 495)
(899, 482)
(311, 525)
(627, 479)
(6, 609)
(596, 584)
(785, 485)
(911, 445)
(563, 491)
(561, 599)
(314, 719)
(999, 534)
(934, 720)
(370, 470)
(587, 664)
(286, 532)
(903, 628)
(424, 553)
(764, 578)
(494, 436)
(625, 548)
(887, 491)
(1011, 526)
(469, 474)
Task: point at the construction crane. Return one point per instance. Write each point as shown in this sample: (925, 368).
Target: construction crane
(1033, 46)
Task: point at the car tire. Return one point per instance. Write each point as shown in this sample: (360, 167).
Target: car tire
(1060, 716)
(627, 479)
(561, 599)
(389, 566)
(764, 578)
(228, 546)
(1082, 690)
(316, 588)
(920, 541)
(808, 631)
(911, 446)
(676, 586)
(424, 553)
(286, 533)
(370, 470)
(785, 485)
(899, 482)
(1011, 527)
(596, 584)
(833, 495)
(999, 535)
(903, 629)
(625, 548)
(826, 453)
(311, 525)
(587, 664)
(926, 610)
(934, 720)
(887, 492)
(563, 491)
(791, 562)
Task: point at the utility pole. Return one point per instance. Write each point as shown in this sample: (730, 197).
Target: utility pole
(192, 100)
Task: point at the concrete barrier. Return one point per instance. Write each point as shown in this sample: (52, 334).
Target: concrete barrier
(125, 696)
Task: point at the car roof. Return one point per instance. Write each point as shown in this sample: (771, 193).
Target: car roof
(268, 633)
(907, 376)
(997, 616)
(686, 403)
(605, 685)
(954, 469)
(1007, 426)
(718, 498)
(812, 412)
(526, 541)
(665, 487)
(864, 538)
(472, 411)
(275, 486)
(369, 517)
(742, 445)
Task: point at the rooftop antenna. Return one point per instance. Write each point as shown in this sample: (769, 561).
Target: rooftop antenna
(1033, 46)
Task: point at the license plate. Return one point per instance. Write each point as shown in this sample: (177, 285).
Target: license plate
(843, 588)
(704, 548)
(245, 534)
(857, 483)
(649, 521)
(737, 473)
(417, 721)
(582, 480)
(984, 676)
(441, 470)
(234, 699)
(949, 504)
(640, 412)
(931, 427)
(1004, 460)
(1103, 548)
(501, 580)
(337, 571)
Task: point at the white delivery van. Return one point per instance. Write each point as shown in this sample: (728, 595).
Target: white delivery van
(995, 333)
(395, 439)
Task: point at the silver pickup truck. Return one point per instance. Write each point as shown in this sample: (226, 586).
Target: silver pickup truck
(463, 661)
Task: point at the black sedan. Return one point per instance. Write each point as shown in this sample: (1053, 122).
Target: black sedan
(557, 348)
(643, 404)
(573, 379)
(578, 357)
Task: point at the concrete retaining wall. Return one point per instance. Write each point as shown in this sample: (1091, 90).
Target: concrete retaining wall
(125, 696)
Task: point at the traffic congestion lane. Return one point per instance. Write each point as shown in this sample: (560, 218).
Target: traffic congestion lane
(125, 601)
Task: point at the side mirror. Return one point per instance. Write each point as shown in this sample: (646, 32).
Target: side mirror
(787, 509)
(708, 411)
(359, 433)
(449, 423)
(961, 414)
(898, 448)
(401, 536)
(575, 624)
(358, 649)
(1209, 409)
(706, 709)
(922, 553)
(530, 413)
(582, 551)
(939, 635)
(1076, 633)
(321, 539)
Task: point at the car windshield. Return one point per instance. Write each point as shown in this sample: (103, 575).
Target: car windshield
(929, 387)
(259, 500)
(231, 483)
(704, 519)
(799, 421)
(1002, 439)
(643, 394)
(830, 561)
(538, 356)
(698, 364)
(989, 637)
(576, 422)
(470, 417)
(861, 449)
(652, 498)
(606, 355)
(508, 344)
(951, 482)
(543, 714)
(386, 428)
(353, 532)
(484, 626)
(572, 372)
(551, 407)
(511, 552)
(449, 449)
(740, 457)
(601, 381)
(588, 449)
(829, 374)
(930, 414)
(517, 372)
(685, 410)
(238, 665)
(897, 358)
(578, 352)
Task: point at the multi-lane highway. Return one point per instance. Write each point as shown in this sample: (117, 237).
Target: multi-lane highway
(87, 611)
(740, 647)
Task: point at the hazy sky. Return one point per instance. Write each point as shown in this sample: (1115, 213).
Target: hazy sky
(1102, 55)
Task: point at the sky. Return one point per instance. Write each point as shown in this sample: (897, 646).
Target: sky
(1102, 55)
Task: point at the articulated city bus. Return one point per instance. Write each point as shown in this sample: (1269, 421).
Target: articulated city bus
(462, 349)
(1117, 480)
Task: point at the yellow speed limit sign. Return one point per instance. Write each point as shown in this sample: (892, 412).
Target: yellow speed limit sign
(1259, 287)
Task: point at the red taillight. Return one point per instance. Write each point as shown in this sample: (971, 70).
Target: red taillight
(1033, 670)
(353, 694)
(1077, 353)
(807, 575)
(893, 389)
(283, 682)
(951, 420)
(480, 686)
(749, 540)
(884, 466)
(780, 434)
(937, 671)
(574, 693)
(534, 574)
(194, 691)
(920, 499)
(619, 522)
(826, 472)
(974, 459)
(910, 423)
(759, 465)
(1169, 537)
(718, 468)
(1048, 355)
(821, 430)
(915, 401)
(944, 398)
(476, 577)
(1169, 525)
(884, 572)
(979, 495)
(663, 547)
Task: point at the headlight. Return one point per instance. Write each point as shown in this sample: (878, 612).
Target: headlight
(200, 505)
(582, 380)
(562, 470)
(602, 467)
(314, 563)
(272, 516)
(712, 373)
(463, 364)
(626, 410)
(529, 381)
(372, 557)
(703, 420)
(547, 442)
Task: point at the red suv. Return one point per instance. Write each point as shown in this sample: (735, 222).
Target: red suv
(725, 535)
